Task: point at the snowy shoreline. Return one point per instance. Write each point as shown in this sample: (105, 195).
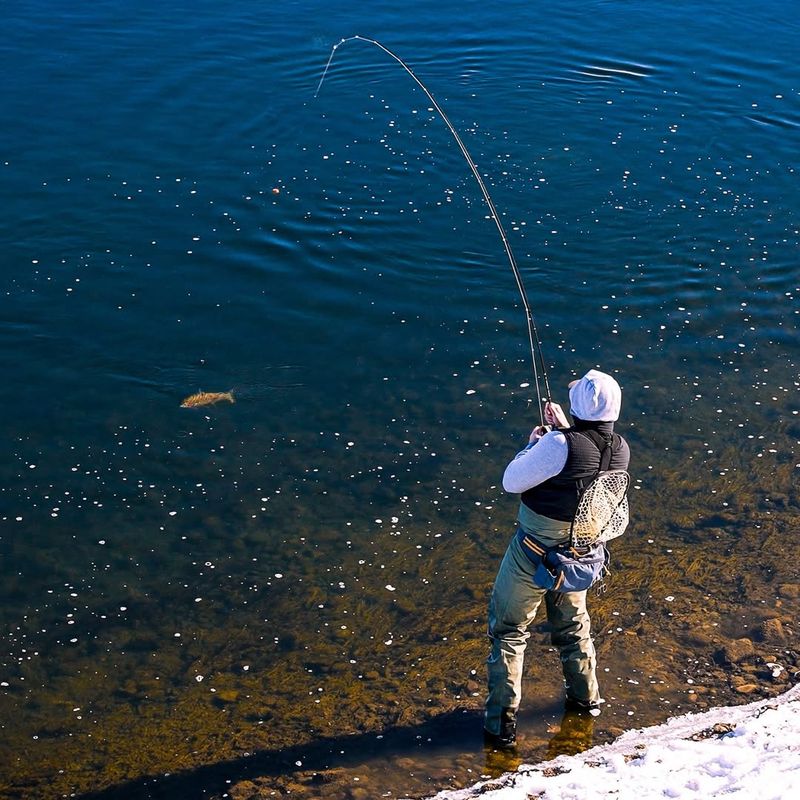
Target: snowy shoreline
(750, 751)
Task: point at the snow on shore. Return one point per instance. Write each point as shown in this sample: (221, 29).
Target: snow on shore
(750, 752)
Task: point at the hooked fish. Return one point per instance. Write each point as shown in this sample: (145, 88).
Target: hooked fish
(206, 399)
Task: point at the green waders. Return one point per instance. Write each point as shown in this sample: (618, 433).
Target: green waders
(512, 609)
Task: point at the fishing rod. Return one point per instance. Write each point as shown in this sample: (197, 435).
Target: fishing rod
(533, 335)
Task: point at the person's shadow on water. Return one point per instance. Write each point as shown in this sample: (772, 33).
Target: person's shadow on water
(459, 731)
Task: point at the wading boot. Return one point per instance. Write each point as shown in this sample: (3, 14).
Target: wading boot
(507, 737)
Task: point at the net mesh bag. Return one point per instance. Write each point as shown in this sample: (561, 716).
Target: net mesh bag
(602, 510)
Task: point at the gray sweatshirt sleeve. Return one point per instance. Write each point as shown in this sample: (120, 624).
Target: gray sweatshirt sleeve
(536, 463)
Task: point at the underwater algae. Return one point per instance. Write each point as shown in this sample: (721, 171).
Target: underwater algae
(253, 638)
(328, 664)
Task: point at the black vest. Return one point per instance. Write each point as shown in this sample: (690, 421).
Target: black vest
(557, 498)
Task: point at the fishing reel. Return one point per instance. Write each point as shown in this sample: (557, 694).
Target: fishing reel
(539, 431)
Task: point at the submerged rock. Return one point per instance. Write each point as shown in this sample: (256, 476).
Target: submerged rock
(771, 631)
(736, 651)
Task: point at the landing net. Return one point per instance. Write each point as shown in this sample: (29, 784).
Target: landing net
(602, 510)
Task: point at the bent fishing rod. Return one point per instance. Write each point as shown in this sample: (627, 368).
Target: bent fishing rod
(533, 335)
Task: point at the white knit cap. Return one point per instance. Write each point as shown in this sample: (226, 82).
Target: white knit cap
(596, 397)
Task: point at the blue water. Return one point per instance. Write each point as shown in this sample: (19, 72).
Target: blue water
(181, 213)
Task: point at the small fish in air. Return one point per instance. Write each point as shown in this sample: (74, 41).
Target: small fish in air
(206, 399)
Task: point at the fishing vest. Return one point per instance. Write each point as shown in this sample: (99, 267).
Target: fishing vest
(557, 497)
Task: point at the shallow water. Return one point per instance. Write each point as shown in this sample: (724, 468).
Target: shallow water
(289, 593)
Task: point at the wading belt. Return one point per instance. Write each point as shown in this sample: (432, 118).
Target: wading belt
(537, 552)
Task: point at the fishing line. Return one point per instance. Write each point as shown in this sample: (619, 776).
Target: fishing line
(533, 335)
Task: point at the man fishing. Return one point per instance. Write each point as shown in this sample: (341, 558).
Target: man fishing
(549, 475)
